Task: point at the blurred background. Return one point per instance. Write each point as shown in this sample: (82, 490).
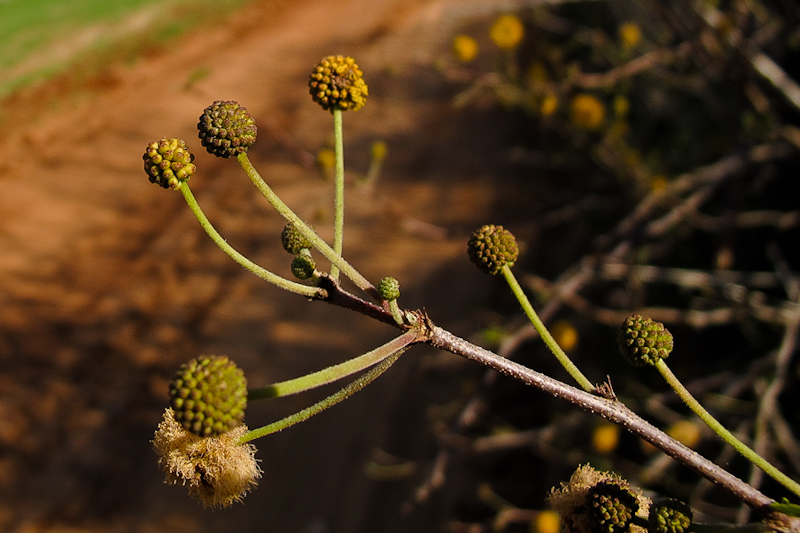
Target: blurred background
(644, 155)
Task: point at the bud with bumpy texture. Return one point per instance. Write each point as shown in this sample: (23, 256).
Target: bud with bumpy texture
(491, 248)
(293, 239)
(612, 507)
(336, 82)
(389, 288)
(669, 516)
(644, 341)
(226, 129)
(209, 395)
(303, 266)
(168, 163)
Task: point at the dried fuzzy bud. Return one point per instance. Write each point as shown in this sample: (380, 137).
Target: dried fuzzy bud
(216, 470)
(226, 129)
(209, 395)
(611, 507)
(389, 288)
(669, 516)
(336, 82)
(303, 266)
(644, 341)
(168, 163)
(491, 248)
(586, 509)
(293, 239)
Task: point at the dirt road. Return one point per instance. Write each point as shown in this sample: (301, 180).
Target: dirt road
(107, 282)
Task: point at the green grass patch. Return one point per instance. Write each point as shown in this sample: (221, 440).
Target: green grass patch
(45, 37)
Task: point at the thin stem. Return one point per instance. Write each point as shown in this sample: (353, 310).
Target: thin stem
(338, 218)
(548, 339)
(318, 243)
(335, 372)
(308, 412)
(720, 430)
(283, 283)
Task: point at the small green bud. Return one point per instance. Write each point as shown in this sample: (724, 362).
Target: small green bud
(644, 341)
(293, 239)
(209, 395)
(491, 248)
(226, 129)
(303, 266)
(168, 163)
(612, 507)
(389, 288)
(669, 516)
(335, 82)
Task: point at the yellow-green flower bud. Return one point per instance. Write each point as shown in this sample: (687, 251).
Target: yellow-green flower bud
(389, 288)
(336, 82)
(644, 341)
(669, 516)
(226, 129)
(303, 266)
(293, 239)
(209, 395)
(491, 248)
(168, 163)
(612, 507)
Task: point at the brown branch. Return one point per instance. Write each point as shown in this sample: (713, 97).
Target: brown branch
(612, 410)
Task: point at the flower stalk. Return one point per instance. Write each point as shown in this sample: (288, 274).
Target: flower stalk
(266, 275)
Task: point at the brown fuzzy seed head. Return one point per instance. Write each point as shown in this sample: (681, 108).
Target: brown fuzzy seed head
(491, 248)
(209, 395)
(669, 516)
(226, 129)
(168, 163)
(293, 239)
(644, 341)
(336, 82)
(611, 507)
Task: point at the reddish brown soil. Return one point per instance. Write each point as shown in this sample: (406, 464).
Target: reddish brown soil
(108, 282)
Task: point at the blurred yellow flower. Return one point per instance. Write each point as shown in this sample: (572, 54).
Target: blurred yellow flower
(687, 432)
(465, 48)
(546, 522)
(507, 31)
(326, 159)
(605, 438)
(565, 335)
(630, 35)
(621, 105)
(549, 106)
(658, 183)
(588, 112)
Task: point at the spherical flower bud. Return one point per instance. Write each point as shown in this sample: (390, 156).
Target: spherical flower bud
(209, 395)
(612, 507)
(216, 470)
(336, 82)
(303, 266)
(168, 163)
(226, 129)
(669, 516)
(644, 341)
(491, 248)
(293, 239)
(389, 288)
